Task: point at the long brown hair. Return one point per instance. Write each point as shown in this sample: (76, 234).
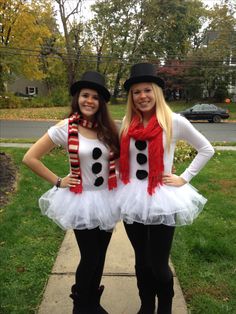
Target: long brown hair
(107, 131)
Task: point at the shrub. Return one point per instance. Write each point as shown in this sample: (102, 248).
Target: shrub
(184, 152)
(57, 99)
(10, 101)
(60, 98)
(221, 93)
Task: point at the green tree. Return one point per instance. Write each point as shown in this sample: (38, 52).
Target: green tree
(124, 32)
(216, 49)
(116, 31)
(73, 38)
(23, 32)
(171, 27)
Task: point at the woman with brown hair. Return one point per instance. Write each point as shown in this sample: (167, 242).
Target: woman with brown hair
(84, 199)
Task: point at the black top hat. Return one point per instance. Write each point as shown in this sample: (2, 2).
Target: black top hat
(143, 72)
(93, 80)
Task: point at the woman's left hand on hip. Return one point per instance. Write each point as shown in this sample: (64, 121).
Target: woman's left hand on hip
(173, 180)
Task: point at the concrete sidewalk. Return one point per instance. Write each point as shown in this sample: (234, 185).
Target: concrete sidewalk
(120, 295)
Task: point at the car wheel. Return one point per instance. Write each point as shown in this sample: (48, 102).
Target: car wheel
(216, 119)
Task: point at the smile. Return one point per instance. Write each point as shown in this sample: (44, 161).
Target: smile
(88, 107)
(144, 104)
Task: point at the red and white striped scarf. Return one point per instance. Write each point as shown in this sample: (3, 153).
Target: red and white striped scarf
(73, 148)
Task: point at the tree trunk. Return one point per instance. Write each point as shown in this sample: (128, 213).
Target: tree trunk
(2, 87)
(117, 82)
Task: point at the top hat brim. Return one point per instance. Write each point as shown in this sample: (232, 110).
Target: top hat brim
(143, 79)
(87, 84)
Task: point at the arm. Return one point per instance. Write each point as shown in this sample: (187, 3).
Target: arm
(204, 149)
(187, 132)
(32, 159)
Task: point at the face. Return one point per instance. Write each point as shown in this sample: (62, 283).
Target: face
(143, 97)
(88, 102)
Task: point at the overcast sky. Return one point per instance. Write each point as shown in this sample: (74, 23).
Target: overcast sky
(86, 13)
(88, 3)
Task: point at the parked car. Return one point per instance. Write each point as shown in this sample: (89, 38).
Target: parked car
(209, 112)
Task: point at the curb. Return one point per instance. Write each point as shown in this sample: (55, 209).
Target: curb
(27, 145)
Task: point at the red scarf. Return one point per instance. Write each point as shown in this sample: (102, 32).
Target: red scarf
(73, 148)
(153, 134)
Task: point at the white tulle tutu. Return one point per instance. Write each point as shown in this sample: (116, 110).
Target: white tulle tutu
(172, 206)
(87, 210)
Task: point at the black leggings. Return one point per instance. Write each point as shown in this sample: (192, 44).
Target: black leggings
(152, 245)
(93, 246)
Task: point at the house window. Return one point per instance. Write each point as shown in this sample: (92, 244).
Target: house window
(31, 90)
(233, 60)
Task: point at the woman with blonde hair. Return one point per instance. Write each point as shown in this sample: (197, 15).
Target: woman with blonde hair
(151, 198)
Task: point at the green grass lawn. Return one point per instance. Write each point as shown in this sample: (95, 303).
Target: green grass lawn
(203, 254)
(117, 111)
(29, 242)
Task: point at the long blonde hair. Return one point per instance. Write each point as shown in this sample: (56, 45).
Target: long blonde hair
(163, 113)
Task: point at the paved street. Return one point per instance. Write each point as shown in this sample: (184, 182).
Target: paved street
(23, 128)
(223, 131)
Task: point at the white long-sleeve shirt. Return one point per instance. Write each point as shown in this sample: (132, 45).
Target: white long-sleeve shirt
(182, 130)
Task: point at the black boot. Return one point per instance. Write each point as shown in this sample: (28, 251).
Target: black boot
(96, 306)
(147, 291)
(165, 294)
(80, 305)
